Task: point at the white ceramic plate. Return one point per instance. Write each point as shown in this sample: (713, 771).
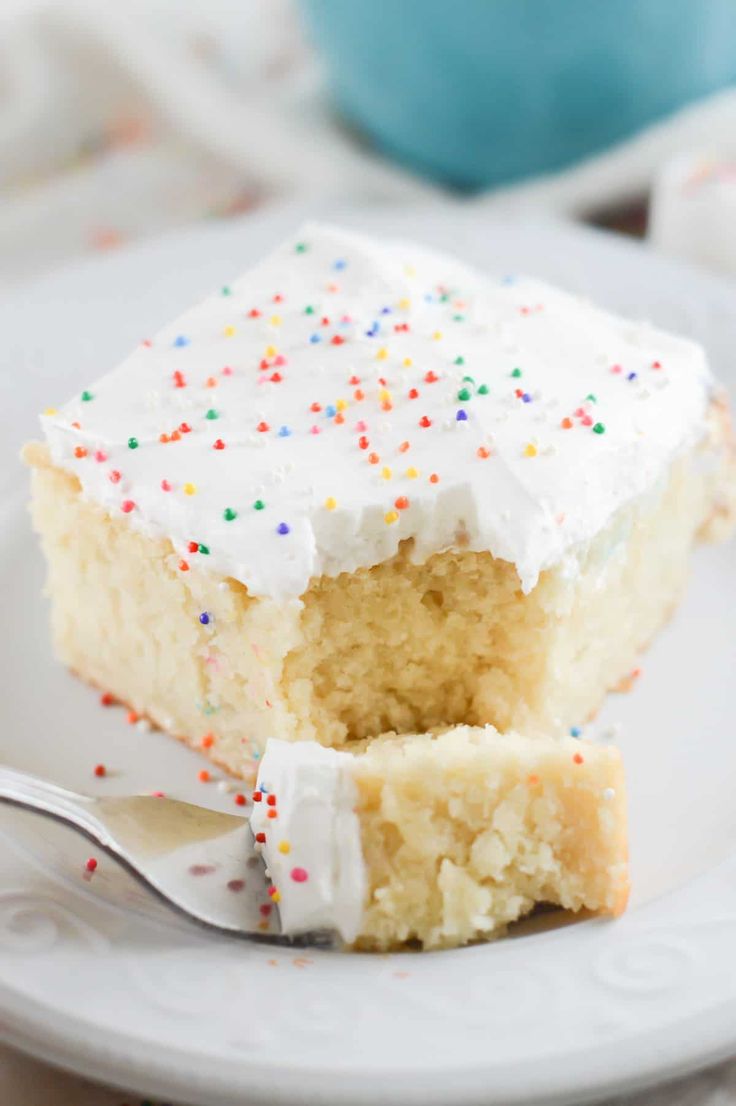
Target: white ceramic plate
(98, 977)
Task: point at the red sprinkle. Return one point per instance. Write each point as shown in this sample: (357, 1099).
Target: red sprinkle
(107, 699)
(239, 799)
(271, 800)
(114, 477)
(261, 838)
(100, 770)
(425, 421)
(219, 444)
(127, 506)
(91, 864)
(257, 796)
(299, 875)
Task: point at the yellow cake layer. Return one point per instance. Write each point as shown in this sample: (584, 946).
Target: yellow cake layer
(466, 831)
(400, 646)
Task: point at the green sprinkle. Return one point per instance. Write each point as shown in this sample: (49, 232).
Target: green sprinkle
(459, 360)
(226, 290)
(204, 548)
(458, 318)
(132, 443)
(483, 390)
(516, 373)
(463, 395)
(258, 505)
(211, 414)
(591, 397)
(469, 379)
(300, 247)
(309, 310)
(599, 428)
(444, 297)
(86, 397)
(229, 514)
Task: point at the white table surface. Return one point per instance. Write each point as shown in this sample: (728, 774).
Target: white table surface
(26, 1082)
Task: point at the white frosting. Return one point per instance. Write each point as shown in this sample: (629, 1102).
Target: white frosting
(299, 329)
(313, 848)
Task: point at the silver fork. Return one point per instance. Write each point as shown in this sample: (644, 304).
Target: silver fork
(199, 861)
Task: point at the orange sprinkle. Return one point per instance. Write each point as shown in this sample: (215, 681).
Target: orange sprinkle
(566, 424)
(132, 717)
(401, 503)
(203, 776)
(208, 741)
(434, 478)
(183, 566)
(403, 447)
(373, 458)
(578, 758)
(483, 452)
(80, 451)
(532, 780)
(272, 813)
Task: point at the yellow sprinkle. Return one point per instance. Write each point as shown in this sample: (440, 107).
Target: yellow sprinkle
(229, 331)
(412, 473)
(437, 335)
(407, 362)
(404, 304)
(391, 516)
(275, 320)
(330, 503)
(284, 847)
(386, 472)
(530, 450)
(190, 489)
(341, 404)
(384, 395)
(382, 354)
(271, 351)
(51, 411)
(276, 896)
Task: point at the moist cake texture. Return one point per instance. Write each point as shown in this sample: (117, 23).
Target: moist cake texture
(364, 490)
(440, 839)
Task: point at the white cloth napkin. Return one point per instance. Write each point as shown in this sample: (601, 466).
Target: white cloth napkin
(119, 120)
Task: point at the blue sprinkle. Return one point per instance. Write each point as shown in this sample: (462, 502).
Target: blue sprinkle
(385, 310)
(631, 376)
(330, 411)
(314, 338)
(284, 432)
(204, 618)
(374, 328)
(575, 731)
(181, 340)
(428, 298)
(340, 265)
(526, 398)
(462, 416)
(282, 528)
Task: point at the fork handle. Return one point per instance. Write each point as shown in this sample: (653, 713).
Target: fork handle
(33, 793)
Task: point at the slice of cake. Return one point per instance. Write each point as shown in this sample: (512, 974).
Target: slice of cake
(364, 488)
(441, 839)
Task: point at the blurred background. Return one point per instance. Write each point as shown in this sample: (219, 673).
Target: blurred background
(123, 120)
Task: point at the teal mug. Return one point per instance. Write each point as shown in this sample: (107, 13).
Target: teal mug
(476, 93)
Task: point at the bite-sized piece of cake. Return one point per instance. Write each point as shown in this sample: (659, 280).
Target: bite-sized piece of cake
(439, 839)
(365, 488)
